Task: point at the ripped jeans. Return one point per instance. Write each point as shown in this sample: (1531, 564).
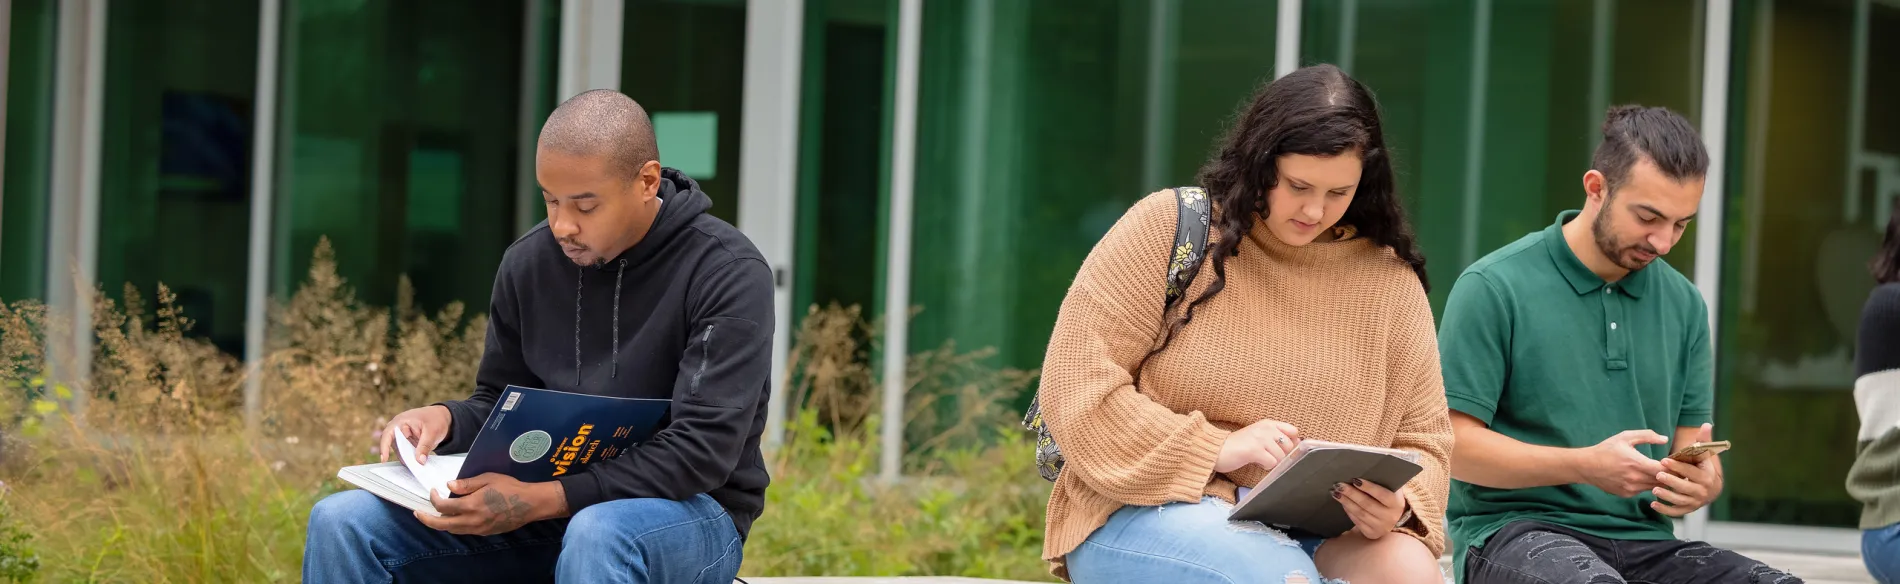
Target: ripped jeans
(1528, 552)
(1180, 543)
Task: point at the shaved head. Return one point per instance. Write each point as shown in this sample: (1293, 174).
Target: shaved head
(599, 170)
(605, 123)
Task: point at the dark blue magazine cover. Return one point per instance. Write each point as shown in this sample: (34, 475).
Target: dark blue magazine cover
(536, 435)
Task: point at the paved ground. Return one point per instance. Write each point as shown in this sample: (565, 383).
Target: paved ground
(1817, 569)
(1812, 568)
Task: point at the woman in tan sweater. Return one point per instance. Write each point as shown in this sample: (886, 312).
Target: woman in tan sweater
(1315, 324)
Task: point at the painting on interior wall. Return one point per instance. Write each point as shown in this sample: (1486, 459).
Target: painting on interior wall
(205, 147)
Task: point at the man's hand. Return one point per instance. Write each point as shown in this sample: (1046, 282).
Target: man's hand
(1375, 510)
(495, 503)
(1686, 487)
(1264, 443)
(425, 426)
(1618, 468)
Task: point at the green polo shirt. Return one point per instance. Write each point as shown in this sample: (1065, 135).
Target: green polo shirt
(1537, 346)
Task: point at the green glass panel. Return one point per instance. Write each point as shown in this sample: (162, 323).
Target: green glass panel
(402, 144)
(175, 158)
(684, 61)
(1802, 221)
(1038, 127)
(1490, 141)
(32, 36)
(843, 163)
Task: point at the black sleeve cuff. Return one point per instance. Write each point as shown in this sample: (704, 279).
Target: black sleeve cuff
(581, 490)
(460, 417)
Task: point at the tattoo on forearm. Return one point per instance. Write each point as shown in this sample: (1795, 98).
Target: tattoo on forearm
(505, 512)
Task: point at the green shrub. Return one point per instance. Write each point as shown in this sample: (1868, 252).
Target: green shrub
(18, 563)
(978, 513)
(159, 481)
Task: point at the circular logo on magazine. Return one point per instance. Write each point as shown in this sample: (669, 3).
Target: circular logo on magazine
(530, 446)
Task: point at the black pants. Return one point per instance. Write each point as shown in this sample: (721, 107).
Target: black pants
(1528, 552)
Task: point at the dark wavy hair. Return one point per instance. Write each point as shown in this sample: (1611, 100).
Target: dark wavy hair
(1886, 264)
(1316, 111)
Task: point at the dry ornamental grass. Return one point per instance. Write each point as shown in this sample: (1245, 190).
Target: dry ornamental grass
(159, 480)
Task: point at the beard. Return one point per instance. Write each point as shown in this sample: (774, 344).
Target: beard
(1620, 253)
(587, 257)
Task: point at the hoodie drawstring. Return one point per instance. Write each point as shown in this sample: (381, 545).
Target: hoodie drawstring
(615, 372)
(580, 274)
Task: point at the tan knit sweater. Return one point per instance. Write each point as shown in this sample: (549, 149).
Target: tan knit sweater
(1335, 338)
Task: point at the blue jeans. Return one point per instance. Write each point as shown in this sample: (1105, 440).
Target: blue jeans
(1181, 543)
(1880, 548)
(355, 536)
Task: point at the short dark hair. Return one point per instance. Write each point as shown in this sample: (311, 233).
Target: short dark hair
(1634, 132)
(603, 122)
(1887, 263)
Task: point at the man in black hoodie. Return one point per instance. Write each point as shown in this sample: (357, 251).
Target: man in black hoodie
(628, 289)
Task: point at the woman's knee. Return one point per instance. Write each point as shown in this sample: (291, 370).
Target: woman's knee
(1396, 558)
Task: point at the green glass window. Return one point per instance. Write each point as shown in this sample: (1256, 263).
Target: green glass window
(175, 158)
(1038, 126)
(684, 61)
(843, 152)
(1814, 157)
(32, 36)
(1491, 139)
(402, 141)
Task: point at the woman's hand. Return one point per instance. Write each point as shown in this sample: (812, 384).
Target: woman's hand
(1375, 511)
(1264, 443)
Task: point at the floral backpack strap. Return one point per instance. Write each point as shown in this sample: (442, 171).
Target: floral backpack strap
(1190, 242)
(1184, 261)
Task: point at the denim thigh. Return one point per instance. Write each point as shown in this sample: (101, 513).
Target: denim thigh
(1880, 549)
(1183, 543)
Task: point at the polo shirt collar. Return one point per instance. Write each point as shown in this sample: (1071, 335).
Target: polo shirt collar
(1580, 277)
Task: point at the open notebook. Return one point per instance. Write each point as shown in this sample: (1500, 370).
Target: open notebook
(406, 482)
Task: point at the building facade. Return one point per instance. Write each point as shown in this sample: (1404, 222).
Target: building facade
(961, 156)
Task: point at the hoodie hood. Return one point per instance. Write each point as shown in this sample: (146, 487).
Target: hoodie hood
(681, 203)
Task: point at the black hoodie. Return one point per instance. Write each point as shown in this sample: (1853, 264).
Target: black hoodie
(686, 314)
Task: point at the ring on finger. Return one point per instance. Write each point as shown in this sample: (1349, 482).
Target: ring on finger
(1281, 440)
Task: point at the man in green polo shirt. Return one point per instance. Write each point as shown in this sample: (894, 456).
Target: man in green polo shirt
(1575, 360)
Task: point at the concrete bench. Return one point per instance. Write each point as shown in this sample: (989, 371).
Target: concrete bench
(1813, 568)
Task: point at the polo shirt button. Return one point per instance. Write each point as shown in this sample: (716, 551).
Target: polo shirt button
(1613, 326)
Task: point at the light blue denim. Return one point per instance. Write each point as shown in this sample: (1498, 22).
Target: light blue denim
(1880, 548)
(1182, 543)
(355, 536)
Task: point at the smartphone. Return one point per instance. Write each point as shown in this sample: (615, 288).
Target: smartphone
(1700, 451)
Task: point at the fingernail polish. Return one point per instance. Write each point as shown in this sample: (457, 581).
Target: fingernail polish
(1358, 483)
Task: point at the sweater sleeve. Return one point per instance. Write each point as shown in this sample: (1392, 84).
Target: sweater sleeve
(1425, 427)
(1118, 441)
